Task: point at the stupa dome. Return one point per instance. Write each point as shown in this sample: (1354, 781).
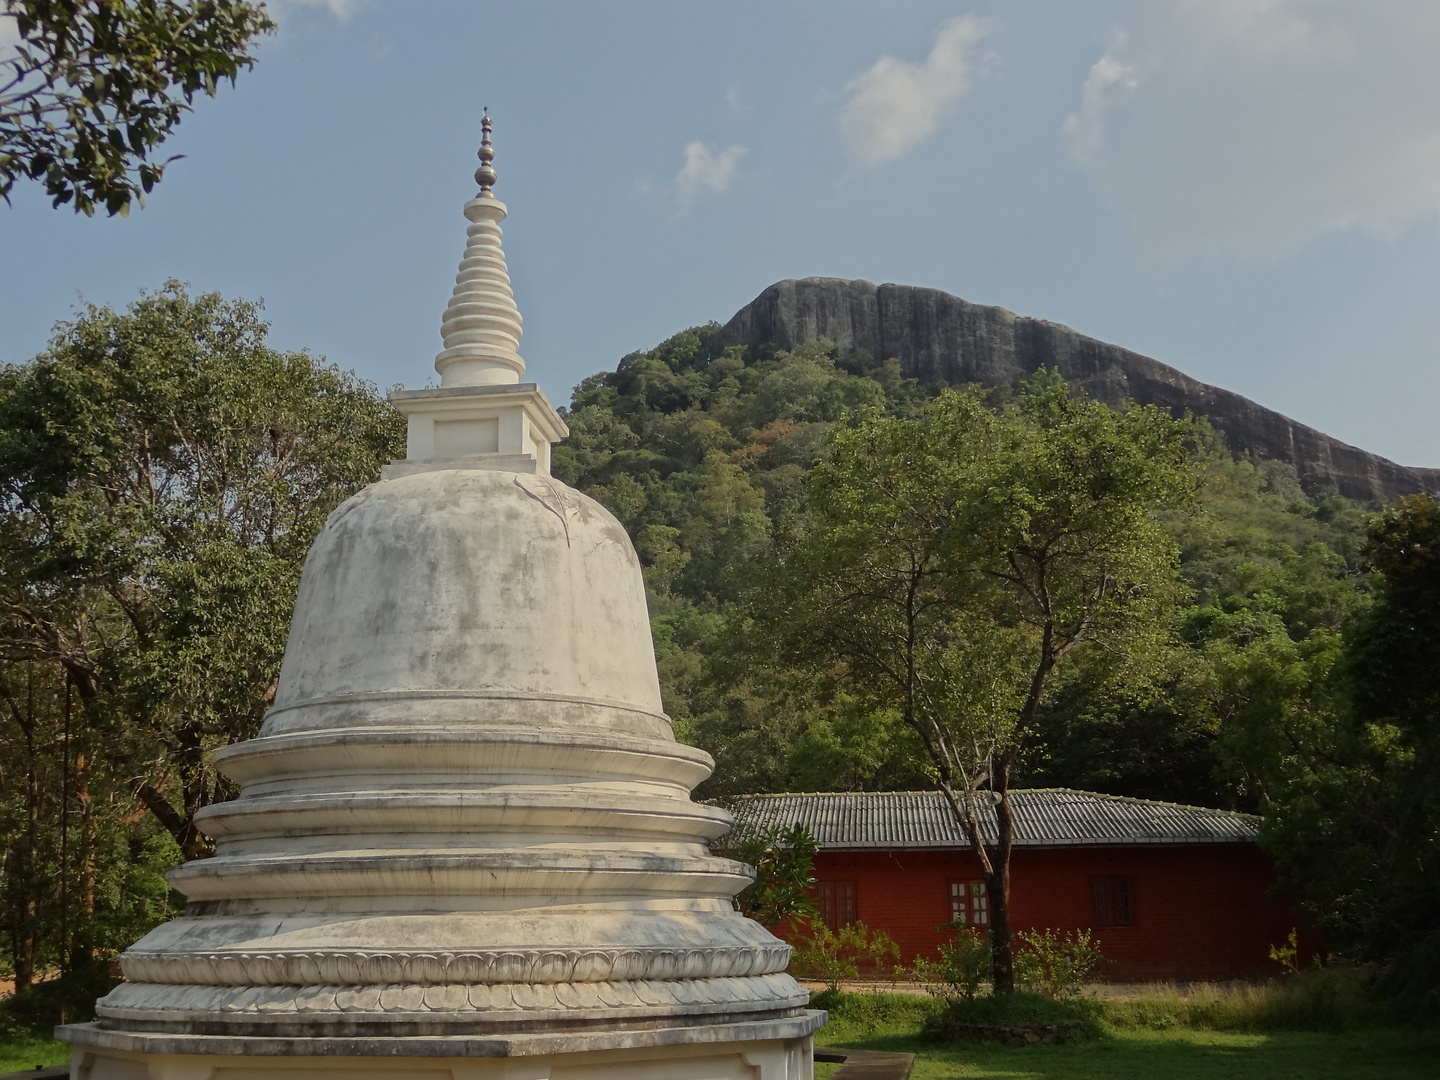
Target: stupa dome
(471, 597)
(466, 783)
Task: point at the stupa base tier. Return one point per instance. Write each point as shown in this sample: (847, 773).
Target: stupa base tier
(443, 1009)
(774, 1049)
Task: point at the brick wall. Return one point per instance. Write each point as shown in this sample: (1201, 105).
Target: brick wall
(1199, 911)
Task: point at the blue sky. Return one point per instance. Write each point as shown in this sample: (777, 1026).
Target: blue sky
(1245, 189)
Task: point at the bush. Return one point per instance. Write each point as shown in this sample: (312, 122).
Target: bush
(964, 966)
(1410, 984)
(784, 861)
(68, 999)
(869, 1010)
(837, 956)
(1055, 966)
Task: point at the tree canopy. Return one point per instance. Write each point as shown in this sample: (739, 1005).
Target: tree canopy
(162, 474)
(96, 86)
(951, 565)
(1346, 747)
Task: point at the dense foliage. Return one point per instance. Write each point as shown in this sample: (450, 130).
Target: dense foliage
(94, 87)
(162, 474)
(954, 568)
(1292, 681)
(703, 452)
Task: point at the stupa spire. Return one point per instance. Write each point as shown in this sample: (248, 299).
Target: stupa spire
(481, 416)
(482, 326)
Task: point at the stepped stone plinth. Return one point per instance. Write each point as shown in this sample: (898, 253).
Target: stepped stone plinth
(464, 845)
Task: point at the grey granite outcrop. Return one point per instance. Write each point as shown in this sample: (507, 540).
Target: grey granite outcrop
(941, 339)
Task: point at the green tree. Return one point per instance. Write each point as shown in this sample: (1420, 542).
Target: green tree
(784, 862)
(1352, 807)
(96, 86)
(954, 563)
(162, 474)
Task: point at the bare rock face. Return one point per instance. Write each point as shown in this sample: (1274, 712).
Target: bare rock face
(942, 339)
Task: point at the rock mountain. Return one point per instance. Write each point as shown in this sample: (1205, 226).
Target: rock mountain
(939, 338)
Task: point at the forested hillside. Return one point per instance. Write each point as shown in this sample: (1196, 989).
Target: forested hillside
(163, 470)
(702, 451)
(1298, 674)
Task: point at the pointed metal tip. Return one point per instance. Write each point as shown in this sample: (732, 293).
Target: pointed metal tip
(485, 175)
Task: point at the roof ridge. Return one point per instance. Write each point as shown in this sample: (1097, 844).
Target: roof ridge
(1013, 791)
(1145, 802)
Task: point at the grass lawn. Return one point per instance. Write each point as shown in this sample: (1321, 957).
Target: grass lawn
(26, 1054)
(1186, 1055)
(1362, 1053)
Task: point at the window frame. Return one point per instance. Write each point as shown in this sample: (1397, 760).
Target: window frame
(1112, 901)
(976, 901)
(835, 900)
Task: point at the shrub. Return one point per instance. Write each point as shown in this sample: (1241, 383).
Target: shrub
(963, 967)
(869, 1011)
(68, 999)
(1288, 954)
(1410, 984)
(836, 956)
(784, 861)
(1055, 966)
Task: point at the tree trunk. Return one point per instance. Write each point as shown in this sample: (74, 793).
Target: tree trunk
(24, 881)
(995, 869)
(1002, 952)
(997, 883)
(82, 951)
(24, 947)
(25, 930)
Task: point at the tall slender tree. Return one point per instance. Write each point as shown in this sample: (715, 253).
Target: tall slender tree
(954, 563)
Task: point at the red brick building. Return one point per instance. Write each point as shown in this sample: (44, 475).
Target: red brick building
(1170, 891)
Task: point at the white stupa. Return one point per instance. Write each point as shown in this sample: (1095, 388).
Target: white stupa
(464, 845)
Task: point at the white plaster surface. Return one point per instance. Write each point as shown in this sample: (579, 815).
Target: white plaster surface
(481, 327)
(771, 1052)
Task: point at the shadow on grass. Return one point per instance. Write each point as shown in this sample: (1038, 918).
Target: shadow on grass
(1363, 1051)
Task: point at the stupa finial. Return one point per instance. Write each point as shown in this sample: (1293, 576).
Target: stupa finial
(485, 174)
(481, 326)
(481, 415)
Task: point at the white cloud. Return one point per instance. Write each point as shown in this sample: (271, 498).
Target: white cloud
(706, 170)
(1249, 127)
(897, 105)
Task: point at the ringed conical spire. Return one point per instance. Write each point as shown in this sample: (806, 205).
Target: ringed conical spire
(482, 326)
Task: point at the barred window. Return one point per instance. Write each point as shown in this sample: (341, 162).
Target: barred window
(969, 903)
(1112, 901)
(836, 900)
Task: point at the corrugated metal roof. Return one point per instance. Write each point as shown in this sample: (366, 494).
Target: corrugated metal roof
(1044, 817)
